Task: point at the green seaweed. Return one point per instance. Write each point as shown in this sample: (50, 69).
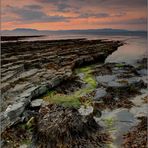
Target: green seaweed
(74, 98)
(110, 122)
(66, 100)
(88, 77)
(119, 65)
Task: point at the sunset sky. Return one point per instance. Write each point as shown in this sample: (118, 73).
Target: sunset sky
(74, 14)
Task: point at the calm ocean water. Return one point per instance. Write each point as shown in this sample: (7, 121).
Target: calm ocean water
(134, 49)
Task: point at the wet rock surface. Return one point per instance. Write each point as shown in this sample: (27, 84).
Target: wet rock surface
(100, 93)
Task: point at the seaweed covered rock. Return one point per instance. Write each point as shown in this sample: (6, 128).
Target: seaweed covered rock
(137, 137)
(60, 127)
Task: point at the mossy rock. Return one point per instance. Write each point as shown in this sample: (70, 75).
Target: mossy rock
(73, 99)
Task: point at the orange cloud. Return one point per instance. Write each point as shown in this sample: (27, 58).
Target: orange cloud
(69, 14)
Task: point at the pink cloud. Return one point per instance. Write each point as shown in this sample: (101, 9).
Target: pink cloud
(69, 14)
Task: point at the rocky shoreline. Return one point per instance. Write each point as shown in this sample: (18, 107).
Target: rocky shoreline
(29, 69)
(62, 79)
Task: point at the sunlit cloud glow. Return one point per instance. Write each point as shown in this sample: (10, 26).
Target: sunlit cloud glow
(74, 14)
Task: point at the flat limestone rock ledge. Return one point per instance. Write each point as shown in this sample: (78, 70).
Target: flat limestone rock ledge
(58, 126)
(29, 69)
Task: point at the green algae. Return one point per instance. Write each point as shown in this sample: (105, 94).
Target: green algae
(74, 98)
(88, 77)
(66, 100)
(119, 65)
(109, 122)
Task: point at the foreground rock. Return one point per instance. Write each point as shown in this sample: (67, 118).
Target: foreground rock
(58, 127)
(117, 83)
(30, 69)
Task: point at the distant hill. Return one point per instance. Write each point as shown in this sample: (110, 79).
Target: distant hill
(20, 32)
(24, 30)
(106, 31)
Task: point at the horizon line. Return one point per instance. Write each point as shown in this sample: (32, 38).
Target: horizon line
(75, 29)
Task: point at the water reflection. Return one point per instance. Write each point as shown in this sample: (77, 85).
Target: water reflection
(133, 50)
